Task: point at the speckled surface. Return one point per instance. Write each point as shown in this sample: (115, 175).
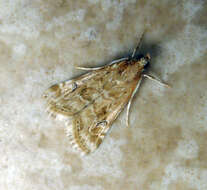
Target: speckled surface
(165, 147)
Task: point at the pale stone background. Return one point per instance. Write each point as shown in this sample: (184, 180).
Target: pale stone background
(166, 146)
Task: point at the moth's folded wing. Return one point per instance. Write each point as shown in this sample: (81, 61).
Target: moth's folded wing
(89, 105)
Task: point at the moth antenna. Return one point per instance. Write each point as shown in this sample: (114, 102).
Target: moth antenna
(138, 45)
(130, 101)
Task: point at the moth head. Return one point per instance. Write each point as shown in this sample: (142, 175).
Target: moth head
(145, 61)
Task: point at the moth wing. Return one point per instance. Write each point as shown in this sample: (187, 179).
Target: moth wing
(89, 104)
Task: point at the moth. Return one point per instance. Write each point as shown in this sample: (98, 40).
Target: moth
(89, 104)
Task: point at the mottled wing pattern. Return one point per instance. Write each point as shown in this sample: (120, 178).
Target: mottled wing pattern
(90, 103)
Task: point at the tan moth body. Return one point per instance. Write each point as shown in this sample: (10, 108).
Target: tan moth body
(90, 103)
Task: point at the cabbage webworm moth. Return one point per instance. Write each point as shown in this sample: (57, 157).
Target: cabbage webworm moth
(89, 104)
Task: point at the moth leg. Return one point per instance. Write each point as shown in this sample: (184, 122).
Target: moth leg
(88, 68)
(101, 67)
(130, 101)
(153, 78)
